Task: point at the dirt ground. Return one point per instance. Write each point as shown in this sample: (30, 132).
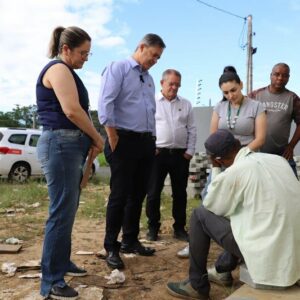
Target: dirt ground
(146, 277)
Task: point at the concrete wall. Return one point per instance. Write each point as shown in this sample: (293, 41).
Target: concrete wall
(202, 117)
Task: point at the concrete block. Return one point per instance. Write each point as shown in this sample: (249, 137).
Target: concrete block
(247, 293)
(246, 278)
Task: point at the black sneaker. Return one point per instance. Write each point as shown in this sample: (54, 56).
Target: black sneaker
(114, 260)
(75, 271)
(63, 293)
(181, 234)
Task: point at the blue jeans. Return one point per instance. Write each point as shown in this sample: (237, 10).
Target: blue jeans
(62, 154)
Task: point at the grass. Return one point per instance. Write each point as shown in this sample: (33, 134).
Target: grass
(20, 219)
(102, 161)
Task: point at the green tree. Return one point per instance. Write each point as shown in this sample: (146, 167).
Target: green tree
(7, 120)
(25, 115)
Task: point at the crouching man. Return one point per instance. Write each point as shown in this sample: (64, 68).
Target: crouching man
(252, 210)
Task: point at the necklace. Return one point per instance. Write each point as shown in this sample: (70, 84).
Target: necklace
(232, 125)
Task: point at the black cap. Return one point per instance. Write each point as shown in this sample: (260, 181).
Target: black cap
(220, 143)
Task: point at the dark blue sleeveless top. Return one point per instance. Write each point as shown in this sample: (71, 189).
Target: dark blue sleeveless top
(50, 113)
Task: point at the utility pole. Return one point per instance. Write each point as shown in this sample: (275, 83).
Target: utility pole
(249, 56)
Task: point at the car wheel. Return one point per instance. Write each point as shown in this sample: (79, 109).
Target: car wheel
(19, 172)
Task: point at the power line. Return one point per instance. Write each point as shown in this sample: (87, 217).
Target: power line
(242, 42)
(222, 10)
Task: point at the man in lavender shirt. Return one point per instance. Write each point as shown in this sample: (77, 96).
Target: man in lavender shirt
(127, 109)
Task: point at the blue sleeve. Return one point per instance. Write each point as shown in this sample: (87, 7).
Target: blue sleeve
(111, 83)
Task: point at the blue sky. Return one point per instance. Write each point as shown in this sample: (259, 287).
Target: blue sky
(200, 41)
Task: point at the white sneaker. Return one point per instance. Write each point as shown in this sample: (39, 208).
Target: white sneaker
(184, 253)
(224, 279)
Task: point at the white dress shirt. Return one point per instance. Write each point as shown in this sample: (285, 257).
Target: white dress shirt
(259, 193)
(175, 126)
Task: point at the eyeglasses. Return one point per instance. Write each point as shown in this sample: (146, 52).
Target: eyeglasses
(85, 53)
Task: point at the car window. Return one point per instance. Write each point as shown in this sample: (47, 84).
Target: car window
(18, 139)
(33, 140)
(1, 136)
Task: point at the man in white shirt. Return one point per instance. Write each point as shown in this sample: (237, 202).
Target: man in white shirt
(175, 146)
(252, 210)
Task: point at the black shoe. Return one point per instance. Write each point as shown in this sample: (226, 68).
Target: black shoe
(75, 271)
(62, 293)
(152, 235)
(181, 234)
(114, 260)
(137, 248)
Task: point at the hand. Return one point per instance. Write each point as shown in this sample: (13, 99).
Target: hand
(113, 141)
(99, 143)
(187, 156)
(288, 152)
(156, 151)
(94, 151)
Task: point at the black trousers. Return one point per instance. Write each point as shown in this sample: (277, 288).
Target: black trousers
(130, 166)
(172, 162)
(205, 226)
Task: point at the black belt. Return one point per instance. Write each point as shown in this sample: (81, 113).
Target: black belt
(172, 150)
(123, 132)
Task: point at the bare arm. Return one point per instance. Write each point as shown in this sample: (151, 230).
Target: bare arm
(289, 150)
(260, 132)
(60, 79)
(214, 123)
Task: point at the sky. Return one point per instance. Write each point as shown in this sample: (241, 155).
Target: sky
(200, 41)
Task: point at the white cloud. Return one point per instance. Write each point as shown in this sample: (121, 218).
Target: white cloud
(111, 41)
(25, 30)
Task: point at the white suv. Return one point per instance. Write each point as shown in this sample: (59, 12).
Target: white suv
(18, 158)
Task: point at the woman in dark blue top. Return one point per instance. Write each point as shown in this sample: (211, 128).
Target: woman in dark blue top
(68, 135)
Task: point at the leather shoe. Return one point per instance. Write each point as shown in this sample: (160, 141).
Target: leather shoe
(114, 260)
(65, 292)
(181, 234)
(137, 248)
(152, 235)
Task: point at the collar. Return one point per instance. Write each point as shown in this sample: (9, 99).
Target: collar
(281, 92)
(244, 151)
(160, 97)
(135, 65)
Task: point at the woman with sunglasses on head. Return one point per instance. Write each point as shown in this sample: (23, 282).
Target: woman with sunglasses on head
(68, 135)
